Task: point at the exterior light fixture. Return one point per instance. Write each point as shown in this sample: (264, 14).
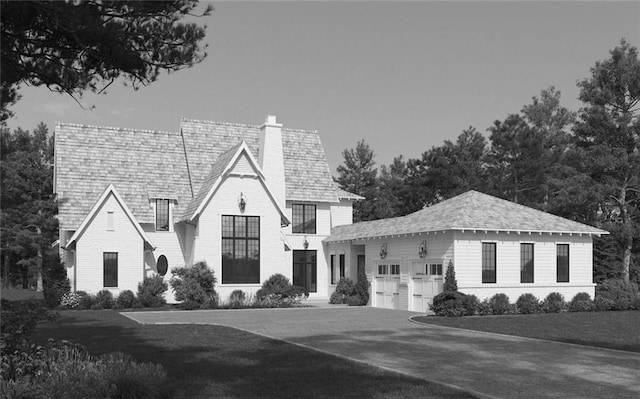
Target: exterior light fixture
(383, 251)
(422, 251)
(305, 244)
(242, 202)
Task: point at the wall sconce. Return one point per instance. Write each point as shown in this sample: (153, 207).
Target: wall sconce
(422, 251)
(383, 251)
(305, 244)
(242, 202)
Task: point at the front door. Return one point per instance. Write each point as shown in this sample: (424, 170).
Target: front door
(305, 270)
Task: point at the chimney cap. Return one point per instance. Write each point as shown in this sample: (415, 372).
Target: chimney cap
(271, 122)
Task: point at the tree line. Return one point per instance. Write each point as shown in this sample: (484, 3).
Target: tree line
(583, 165)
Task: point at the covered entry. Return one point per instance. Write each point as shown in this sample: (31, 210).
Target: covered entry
(387, 286)
(426, 282)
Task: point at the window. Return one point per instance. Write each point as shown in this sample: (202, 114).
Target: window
(109, 220)
(162, 215)
(395, 269)
(342, 266)
(436, 269)
(240, 249)
(110, 262)
(162, 265)
(383, 269)
(333, 269)
(526, 263)
(562, 262)
(304, 219)
(304, 270)
(488, 262)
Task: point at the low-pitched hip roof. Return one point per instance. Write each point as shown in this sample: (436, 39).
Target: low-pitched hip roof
(471, 211)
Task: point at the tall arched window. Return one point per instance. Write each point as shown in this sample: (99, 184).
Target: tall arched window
(162, 265)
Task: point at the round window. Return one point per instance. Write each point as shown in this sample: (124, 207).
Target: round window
(162, 265)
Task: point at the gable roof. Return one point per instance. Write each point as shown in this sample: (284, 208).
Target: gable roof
(219, 171)
(146, 164)
(469, 211)
(110, 190)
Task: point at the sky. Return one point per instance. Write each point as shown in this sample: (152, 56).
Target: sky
(403, 76)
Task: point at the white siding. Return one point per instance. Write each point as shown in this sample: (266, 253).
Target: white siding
(97, 239)
(342, 213)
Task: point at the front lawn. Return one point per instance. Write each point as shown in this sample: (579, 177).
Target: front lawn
(615, 330)
(211, 361)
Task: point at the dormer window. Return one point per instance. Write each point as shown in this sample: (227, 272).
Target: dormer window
(304, 219)
(162, 215)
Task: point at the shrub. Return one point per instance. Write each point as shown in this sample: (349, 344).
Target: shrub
(471, 305)
(86, 300)
(621, 293)
(126, 299)
(336, 298)
(499, 304)
(449, 303)
(55, 282)
(344, 289)
(581, 302)
(194, 286)
(527, 304)
(604, 304)
(354, 300)
(450, 282)
(484, 308)
(104, 299)
(151, 291)
(70, 300)
(554, 303)
(18, 320)
(362, 286)
(276, 284)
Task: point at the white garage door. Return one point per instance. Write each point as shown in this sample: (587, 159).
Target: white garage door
(387, 284)
(426, 283)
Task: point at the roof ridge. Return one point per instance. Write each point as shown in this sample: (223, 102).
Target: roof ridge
(233, 124)
(127, 129)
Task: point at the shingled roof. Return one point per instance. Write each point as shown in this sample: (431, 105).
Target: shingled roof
(146, 164)
(469, 211)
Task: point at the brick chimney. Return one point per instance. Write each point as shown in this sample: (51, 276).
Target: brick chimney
(271, 157)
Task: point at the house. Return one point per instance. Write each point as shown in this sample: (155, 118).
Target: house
(249, 200)
(496, 246)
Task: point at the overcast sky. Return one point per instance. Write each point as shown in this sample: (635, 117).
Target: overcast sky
(402, 76)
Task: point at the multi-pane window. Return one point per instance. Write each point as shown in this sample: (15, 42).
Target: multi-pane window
(333, 269)
(383, 269)
(562, 262)
(436, 269)
(342, 272)
(110, 275)
(162, 215)
(488, 262)
(395, 269)
(304, 218)
(240, 249)
(526, 263)
(305, 270)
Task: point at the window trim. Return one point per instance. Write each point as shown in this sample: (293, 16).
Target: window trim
(158, 207)
(303, 229)
(524, 262)
(235, 238)
(568, 264)
(491, 256)
(104, 269)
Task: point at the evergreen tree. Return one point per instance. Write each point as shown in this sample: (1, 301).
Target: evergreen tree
(450, 282)
(358, 176)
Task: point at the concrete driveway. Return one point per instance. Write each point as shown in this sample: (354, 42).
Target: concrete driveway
(489, 364)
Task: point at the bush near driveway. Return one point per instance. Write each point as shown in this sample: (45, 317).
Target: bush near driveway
(151, 291)
(194, 286)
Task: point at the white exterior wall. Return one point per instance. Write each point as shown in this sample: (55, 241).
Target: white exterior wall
(208, 239)
(468, 264)
(342, 213)
(97, 239)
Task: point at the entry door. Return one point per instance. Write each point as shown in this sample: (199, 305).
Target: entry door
(305, 270)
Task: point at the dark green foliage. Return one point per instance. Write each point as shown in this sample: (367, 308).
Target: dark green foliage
(126, 299)
(581, 302)
(354, 300)
(276, 284)
(151, 291)
(56, 283)
(358, 176)
(499, 304)
(336, 298)
(104, 299)
(362, 287)
(622, 293)
(450, 282)
(278, 292)
(527, 304)
(450, 304)
(603, 304)
(237, 295)
(344, 289)
(194, 286)
(91, 44)
(18, 320)
(86, 300)
(554, 303)
(471, 305)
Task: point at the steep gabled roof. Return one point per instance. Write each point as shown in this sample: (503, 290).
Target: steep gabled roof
(146, 164)
(469, 211)
(219, 171)
(110, 190)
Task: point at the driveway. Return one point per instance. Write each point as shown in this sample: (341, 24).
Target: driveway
(489, 364)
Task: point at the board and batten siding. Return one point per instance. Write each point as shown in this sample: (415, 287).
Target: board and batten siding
(468, 264)
(97, 239)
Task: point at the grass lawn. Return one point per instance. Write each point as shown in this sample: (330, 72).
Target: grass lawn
(211, 361)
(615, 330)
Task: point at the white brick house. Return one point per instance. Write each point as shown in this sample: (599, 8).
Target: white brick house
(496, 246)
(251, 201)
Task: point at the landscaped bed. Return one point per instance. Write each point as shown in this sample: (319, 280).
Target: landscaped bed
(211, 361)
(614, 330)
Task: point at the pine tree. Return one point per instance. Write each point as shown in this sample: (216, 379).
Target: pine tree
(450, 283)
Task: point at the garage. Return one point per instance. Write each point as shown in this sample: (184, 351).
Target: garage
(426, 282)
(387, 286)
